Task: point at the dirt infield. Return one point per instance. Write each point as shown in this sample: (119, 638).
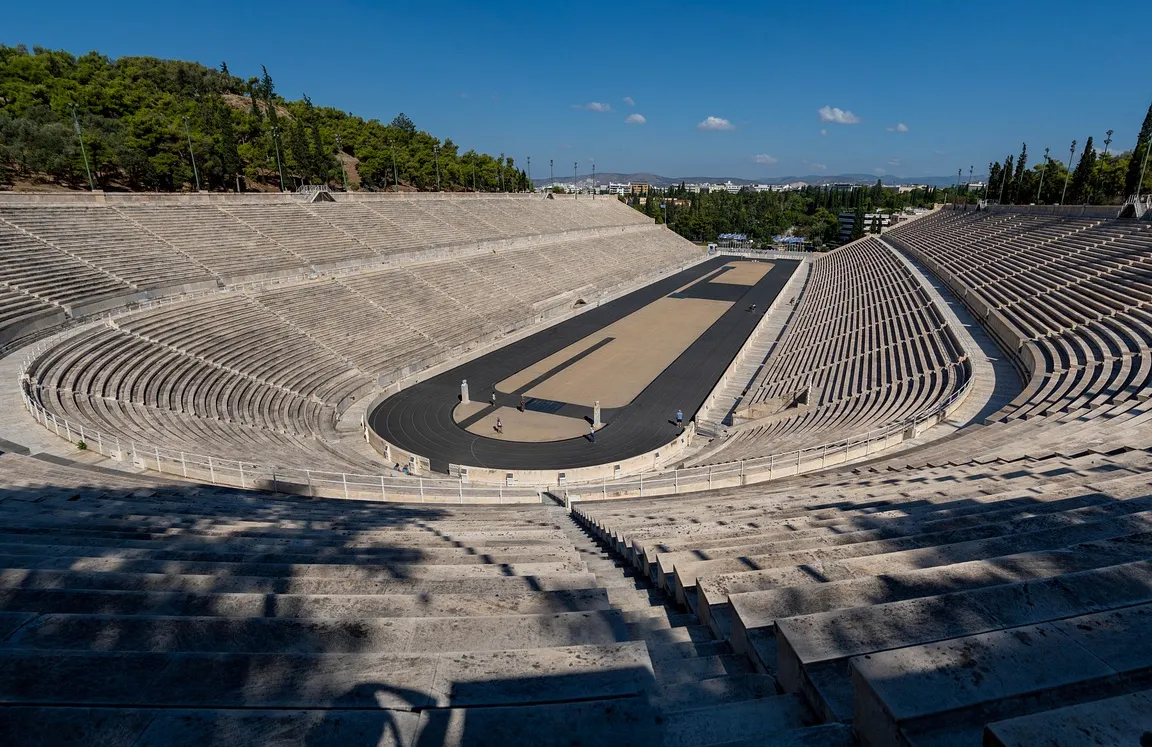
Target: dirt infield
(632, 351)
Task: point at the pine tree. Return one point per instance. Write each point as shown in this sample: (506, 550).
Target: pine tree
(1143, 141)
(1082, 176)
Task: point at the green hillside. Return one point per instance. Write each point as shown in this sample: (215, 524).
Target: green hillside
(143, 119)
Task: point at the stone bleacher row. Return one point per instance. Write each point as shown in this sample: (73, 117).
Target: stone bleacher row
(261, 375)
(993, 586)
(869, 341)
(57, 259)
(1075, 293)
(163, 614)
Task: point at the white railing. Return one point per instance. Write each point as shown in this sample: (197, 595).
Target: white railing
(760, 469)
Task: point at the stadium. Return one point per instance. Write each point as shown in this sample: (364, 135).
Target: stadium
(360, 463)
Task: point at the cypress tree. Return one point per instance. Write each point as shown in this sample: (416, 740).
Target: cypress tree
(1143, 140)
(1018, 180)
(1082, 176)
(229, 151)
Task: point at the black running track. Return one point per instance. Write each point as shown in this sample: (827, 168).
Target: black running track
(419, 419)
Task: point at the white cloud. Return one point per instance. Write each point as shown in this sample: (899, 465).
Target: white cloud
(564, 146)
(628, 100)
(635, 119)
(879, 171)
(819, 166)
(898, 127)
(837, 115)
(593, 106)
(894, 162)
(823, 132)
(463, 94)
(764, 158)
(940, 152)
(715, 124)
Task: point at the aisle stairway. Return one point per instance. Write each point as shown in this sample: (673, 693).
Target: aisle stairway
(703, 692)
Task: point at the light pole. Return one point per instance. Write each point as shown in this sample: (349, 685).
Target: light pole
(1042, 173)
(500, 164)
(1068, 176)
(956, 199)
(436, 158)
(551, 175)
(1143, 168)
(195, 171)
(343, 172)
(1107, 142)
(530, 184)
(276, 145)
(593, 180)
(575, 189)
(474, 176)
(83, 151)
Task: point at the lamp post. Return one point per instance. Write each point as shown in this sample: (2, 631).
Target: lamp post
(1042, 173)
(474, 176)
(436, 158)
(593, 180)
(276, 145)
(551, 175)
(530, 184)
(500, 164)
(956, 199)
(343, 172)
(1107, 142)
(1143, 168)
(575, 189)
(191, 153)
(1068, 176)
(83, 150)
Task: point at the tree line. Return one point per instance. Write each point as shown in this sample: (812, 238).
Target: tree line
(165, 125)
(1099, 177)
(811, 212)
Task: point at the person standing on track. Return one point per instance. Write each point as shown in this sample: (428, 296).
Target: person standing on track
(680, 419)
(592, 433)
(493, 397)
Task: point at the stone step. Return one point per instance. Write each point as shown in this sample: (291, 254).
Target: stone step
(728, 722)
(210, 583)
(761, 609)
(1122, 720)
(293, 570)
(329, 606)
(945, 692)
(825, 735)
(150, 727)
(813, 650)
(225, 635)
(282, 680)
(677, 671)
(714, 691)
(398, 559)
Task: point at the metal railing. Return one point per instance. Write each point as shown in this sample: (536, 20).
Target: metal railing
(761, 469)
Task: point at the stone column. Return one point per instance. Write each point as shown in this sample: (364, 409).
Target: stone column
(464, 391)
(596, 415)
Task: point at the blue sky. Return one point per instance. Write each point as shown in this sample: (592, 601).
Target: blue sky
(739, 88)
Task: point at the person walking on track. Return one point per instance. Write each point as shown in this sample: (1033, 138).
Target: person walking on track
(592, 433)
(680, 419)
(499, 426)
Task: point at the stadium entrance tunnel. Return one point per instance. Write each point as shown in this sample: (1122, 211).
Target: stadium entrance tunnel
(592, 397)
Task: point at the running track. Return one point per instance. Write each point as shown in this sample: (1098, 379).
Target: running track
(419, 419)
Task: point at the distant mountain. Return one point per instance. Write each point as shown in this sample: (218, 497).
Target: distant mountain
(585, 180)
